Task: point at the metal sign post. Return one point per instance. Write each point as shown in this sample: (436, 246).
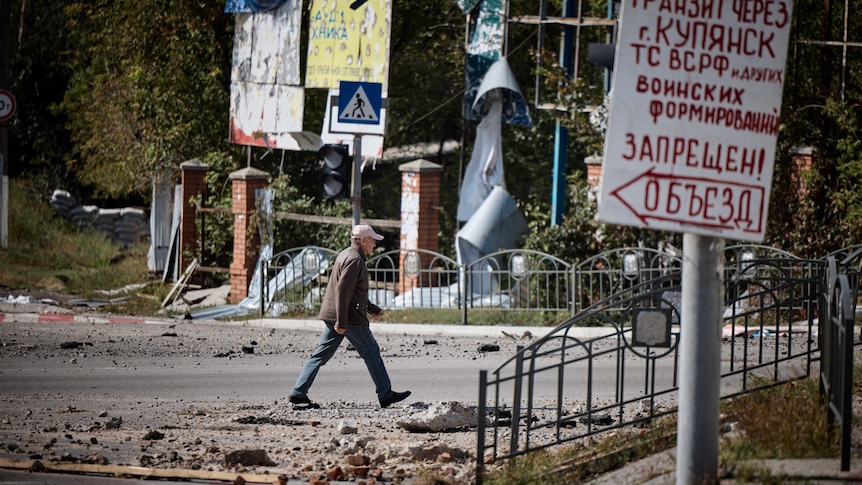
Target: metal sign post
(4, 204)
(356, 197)
(360, 110)
(699, 362)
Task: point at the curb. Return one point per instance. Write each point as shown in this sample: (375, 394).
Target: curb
(313, 325)
(70, 318)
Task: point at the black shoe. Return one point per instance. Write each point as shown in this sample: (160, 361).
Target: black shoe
(394, 398)
(303, 399)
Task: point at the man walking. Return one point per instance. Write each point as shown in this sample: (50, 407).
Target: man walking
(345, 310)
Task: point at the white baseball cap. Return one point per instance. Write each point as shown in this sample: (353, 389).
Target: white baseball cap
(364, 230)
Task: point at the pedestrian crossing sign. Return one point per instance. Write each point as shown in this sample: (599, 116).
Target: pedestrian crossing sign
(359, 102)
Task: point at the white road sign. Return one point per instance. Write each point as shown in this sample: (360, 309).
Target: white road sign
(694, 115)
(7, 105)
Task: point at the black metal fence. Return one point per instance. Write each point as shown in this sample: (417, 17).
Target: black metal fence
(836, 340)
(547, 394)
(517, 280)
(615, 271)
(415, 278)
(295, 279)
(506, 280)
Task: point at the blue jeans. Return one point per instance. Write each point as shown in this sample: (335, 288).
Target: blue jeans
(364, 343)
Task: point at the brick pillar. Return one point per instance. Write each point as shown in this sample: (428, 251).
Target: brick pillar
(194, 186)
(420, 221)
(246, 239)
(801, 164)
(594, 171)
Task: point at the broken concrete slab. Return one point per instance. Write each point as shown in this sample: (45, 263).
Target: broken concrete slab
(441, 417)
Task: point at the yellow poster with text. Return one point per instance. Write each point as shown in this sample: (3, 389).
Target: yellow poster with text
(348, 40)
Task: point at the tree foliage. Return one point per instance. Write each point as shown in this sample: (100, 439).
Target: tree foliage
(39, 75)
(147, 91)
(820, 115)
(111, 91)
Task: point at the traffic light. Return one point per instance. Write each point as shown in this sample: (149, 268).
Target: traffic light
(601, 54)
(336, 171)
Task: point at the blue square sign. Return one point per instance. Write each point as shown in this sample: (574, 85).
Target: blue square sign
(359, 102)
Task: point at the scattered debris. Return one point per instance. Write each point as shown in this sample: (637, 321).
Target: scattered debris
(71, 409)
(348, 426)
(599, 419)
(95, 459)
(527, 335)
(489, 348)
(154, 435)
(96, 302)
(248, 458)
(268, 420)
(441, 417)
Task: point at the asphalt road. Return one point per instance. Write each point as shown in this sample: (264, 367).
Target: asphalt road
(199, 361)
(176, 360)
(58, 379)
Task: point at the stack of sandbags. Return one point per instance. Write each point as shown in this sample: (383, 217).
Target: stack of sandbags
(84, 215)
(62, 202)
(128, 226)
(132, 226)
(106, 219)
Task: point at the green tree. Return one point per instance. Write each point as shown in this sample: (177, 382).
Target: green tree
(820, 113)
(39, 76)
(148, 89)
(111, 91)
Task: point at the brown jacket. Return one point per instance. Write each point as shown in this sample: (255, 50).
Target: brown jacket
(346, 294)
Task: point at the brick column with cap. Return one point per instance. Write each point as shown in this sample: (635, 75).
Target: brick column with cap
(594, 170)
(193, 173)
(246, 239)
(420, 216)
(801, 159)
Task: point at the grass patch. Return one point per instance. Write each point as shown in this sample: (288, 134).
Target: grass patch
(786, 421)
(476, 317)
(585, 460)
(780, 422)
(47, 252)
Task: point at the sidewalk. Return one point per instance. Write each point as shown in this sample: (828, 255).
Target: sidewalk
(45, 313)
(660, 469)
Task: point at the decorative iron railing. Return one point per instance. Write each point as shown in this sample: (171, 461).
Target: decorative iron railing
(563, 388)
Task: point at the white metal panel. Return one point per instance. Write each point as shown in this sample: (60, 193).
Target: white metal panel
(161, 215)
(265, 108)
(267, 97)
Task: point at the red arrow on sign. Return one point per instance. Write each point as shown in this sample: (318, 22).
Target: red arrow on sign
(696, 201)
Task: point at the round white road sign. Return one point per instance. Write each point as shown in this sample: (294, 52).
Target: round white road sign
(7, 105)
